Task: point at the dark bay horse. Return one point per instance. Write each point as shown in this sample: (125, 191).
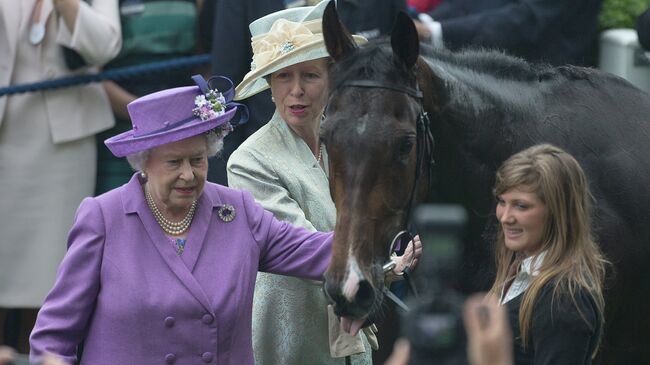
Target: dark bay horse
(480, 107)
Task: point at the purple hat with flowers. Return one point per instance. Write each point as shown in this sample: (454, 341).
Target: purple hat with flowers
(175, 114)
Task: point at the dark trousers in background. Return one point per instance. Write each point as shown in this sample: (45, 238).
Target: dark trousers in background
(15, 327)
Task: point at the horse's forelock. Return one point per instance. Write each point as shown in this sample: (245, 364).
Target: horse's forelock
(373, 61)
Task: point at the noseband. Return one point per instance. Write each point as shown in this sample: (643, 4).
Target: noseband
(424, 150)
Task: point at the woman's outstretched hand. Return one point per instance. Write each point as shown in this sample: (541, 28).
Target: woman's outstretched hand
(408, 260)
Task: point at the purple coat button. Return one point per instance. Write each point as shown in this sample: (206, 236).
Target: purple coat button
(169, 322)
(207, 356)
(207, 318)
(170, 359)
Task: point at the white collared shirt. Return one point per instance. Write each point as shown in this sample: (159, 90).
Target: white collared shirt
(528, 268)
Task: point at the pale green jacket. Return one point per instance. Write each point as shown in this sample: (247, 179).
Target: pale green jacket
(281, 172)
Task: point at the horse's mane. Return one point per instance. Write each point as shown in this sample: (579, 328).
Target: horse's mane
(375, 60)
(502, 65)
(476, 78)
(488, 61)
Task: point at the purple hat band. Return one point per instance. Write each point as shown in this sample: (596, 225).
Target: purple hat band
(175, 114)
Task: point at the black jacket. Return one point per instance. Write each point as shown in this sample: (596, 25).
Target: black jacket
(643, 29)
(561, 333)
(553, 31)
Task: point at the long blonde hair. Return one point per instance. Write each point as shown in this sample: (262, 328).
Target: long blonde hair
(573, 260)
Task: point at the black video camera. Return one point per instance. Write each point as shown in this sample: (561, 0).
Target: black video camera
(434, 325)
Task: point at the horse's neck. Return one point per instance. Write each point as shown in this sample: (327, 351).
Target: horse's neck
(469, 133)
(480, 90)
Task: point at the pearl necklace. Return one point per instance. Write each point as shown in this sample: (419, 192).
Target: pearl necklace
(171, 228)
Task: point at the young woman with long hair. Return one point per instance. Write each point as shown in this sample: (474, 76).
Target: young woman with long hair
(550, 270)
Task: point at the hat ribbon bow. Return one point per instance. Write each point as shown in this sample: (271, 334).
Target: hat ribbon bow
(224, 97)
(284, 36)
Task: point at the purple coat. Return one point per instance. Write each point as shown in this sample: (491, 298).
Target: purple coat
(122, 289)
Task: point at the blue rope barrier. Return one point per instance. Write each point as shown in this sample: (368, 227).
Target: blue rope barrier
(115, 74)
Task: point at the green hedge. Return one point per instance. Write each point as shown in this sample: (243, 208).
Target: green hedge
(621, 13)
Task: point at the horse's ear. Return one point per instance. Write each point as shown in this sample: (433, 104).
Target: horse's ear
(404, 39)
(338, 40)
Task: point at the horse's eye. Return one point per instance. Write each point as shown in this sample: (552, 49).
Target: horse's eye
(405, 147)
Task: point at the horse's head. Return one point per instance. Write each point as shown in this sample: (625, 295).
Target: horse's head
(376, 133)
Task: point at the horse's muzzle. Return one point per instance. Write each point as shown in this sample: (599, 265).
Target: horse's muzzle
(357, 303)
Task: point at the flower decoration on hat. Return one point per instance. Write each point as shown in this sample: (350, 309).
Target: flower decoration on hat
(212, 103)
(209, 105)
(284, 37)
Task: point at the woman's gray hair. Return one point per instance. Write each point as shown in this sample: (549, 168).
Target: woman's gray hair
(138, 160)
(213, 140)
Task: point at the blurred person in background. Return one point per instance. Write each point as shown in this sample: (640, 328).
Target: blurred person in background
(152, 31)
(557, 32)
(643, 29)
(423, 6)
(47, 142)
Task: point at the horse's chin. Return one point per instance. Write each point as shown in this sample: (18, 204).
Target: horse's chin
(354, 312)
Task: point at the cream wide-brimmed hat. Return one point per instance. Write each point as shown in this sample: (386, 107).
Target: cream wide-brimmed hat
(281, 39)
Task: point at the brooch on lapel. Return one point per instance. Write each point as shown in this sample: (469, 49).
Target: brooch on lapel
(226, 212)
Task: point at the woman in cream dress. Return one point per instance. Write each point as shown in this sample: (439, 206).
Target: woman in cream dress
(47, 148)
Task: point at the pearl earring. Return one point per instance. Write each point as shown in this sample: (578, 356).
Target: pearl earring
(272, 99)
(143, 174)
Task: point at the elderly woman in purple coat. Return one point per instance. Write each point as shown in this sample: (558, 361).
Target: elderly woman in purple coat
(162, 269)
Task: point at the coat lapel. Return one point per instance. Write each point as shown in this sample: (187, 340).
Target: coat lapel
(299, 148)
(197, 236)
(134, 202)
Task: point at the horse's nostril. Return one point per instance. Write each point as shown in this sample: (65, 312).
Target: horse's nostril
(366, 295)
(332, 292)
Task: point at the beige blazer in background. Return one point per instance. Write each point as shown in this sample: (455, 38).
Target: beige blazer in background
(97, 37)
